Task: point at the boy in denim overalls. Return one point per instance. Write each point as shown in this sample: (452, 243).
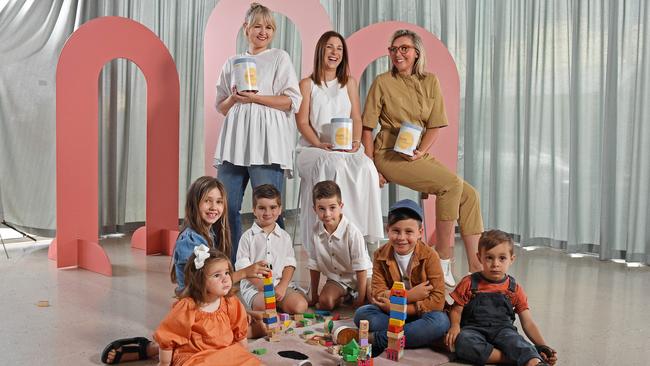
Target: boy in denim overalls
(483, 313)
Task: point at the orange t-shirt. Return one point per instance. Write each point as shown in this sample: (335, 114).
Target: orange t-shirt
(463, 292)
(197, 336)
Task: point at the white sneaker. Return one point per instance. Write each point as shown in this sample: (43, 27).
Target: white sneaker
(446, 272)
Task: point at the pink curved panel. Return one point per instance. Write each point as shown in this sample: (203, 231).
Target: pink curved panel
(82, 58)
(371, 42)
(220, 42)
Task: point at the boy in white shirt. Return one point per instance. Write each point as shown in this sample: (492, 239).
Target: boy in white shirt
(266, 240)
(339, 253)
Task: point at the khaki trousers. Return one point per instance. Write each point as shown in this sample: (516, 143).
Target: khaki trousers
(455, 198)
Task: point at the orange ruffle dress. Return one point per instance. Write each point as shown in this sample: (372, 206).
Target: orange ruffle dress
(201, 338)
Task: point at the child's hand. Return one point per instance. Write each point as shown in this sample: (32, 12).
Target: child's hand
(450, 338)
(420, 292)
(257, 270)
(280, 291)
(383, 303)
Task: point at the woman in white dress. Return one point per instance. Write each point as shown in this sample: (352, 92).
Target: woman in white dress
(331, 92)
(258, 134)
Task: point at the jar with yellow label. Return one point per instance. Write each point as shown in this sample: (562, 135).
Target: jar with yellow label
(245, 74)
(341, 133)
(408, 138)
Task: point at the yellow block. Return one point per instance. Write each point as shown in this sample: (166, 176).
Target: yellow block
(397, 322)
(268, 300)
(398, 285)
(268, 281)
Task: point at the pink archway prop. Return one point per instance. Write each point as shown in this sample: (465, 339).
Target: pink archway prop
(220, 43)
(82, 58)
(370, 43)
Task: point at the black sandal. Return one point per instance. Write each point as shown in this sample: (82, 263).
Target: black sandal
(127, 345)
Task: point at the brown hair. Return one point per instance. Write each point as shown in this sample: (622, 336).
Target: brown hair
(421, 60)
(266, 191)
(342, 71)
(491, 238)
(221, 229)
(325, 189)
(195, 279)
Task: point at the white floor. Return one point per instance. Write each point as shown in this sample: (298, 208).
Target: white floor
(591, 312)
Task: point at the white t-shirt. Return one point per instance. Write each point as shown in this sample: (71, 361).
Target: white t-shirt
(254, 134)
(338, 256)
(256, 245)
(403, 264)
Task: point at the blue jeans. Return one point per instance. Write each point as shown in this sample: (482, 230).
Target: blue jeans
(235, 179)
(419, 331)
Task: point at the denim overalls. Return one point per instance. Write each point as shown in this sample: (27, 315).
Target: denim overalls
(487, 322)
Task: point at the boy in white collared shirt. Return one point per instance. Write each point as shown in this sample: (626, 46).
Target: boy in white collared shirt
(339, 252)
(266, 240)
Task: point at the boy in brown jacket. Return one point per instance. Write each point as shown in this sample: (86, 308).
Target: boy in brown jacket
(405, 258)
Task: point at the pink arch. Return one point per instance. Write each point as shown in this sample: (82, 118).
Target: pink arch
(220, 42)
(84, 54)
(370, 43)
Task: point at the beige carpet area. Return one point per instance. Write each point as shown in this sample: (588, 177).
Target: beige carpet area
(318, 355)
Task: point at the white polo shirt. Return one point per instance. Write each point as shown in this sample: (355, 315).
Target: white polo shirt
(338, 256)
(276, 248)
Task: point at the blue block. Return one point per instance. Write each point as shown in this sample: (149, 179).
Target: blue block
(268, 294)
(397, 315)
(322, 312)
(270, 320)
(398, 300)
(269, 288)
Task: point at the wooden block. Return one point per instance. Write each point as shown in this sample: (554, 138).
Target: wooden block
(397, 285)
(269, 300)
(398, 307)
(397, 300)
(397, 315)
(397, 322)
(364, 325)
(395, 335)
(398, 293)
(395, 328)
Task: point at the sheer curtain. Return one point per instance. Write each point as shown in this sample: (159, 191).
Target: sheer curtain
(552, 116)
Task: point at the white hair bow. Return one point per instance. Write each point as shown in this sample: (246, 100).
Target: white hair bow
(202, 253)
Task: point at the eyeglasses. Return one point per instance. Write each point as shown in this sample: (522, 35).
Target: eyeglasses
(402, 49)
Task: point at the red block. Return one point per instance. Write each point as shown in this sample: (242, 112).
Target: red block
(398, 293)
(395, 328)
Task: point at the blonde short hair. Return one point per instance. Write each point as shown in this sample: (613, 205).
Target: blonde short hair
(421, 60)
(259, 13)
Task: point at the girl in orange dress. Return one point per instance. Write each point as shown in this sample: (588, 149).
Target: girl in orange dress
(208, 325)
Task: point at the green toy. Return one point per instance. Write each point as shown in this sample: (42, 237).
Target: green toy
(259, 351)
(350, 351)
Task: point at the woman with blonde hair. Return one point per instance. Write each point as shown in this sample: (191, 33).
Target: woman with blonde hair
(258, 135)
(407, 93)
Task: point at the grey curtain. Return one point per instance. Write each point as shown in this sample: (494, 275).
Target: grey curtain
(32, 34)
(552, 115)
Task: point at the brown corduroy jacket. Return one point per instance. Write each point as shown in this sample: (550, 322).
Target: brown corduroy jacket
(424, 265)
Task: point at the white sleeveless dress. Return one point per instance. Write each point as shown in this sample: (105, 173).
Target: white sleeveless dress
(353, 172)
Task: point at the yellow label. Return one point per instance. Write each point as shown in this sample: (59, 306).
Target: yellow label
(342, 136)
(405, 140)
(250, 76)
